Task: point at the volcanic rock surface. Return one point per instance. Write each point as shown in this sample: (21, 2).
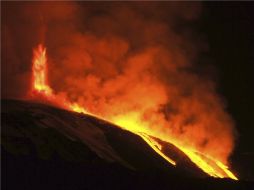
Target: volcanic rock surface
(44, 147)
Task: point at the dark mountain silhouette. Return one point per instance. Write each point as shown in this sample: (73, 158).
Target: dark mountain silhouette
(44, 147)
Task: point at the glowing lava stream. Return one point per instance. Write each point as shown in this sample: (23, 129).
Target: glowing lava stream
(209, 165)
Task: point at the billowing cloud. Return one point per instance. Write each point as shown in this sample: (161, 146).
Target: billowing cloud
(119, 59)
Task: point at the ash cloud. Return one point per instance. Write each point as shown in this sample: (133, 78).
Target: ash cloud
(121, 58)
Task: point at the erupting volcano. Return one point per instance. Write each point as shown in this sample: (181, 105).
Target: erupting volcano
(147, 128)
(133, 94)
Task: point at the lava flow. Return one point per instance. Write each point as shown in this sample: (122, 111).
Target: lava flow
(210, 165)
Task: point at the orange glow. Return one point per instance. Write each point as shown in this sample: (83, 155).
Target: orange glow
(40, 84)
(208, 164)
(40, 71)
(130, 121)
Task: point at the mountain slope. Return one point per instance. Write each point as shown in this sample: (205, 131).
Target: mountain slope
(46, 147)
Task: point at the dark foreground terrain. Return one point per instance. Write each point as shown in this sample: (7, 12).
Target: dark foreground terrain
(48, 148)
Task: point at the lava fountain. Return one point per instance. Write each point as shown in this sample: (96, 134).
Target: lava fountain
(40, 84)
(146, 128)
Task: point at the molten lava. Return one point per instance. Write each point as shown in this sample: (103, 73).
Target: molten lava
(40, 83)
(129, 121)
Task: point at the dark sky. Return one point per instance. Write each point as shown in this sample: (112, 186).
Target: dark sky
(229, 31)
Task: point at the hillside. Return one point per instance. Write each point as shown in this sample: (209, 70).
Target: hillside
(44, 147)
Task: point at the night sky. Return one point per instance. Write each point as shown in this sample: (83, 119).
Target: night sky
(229, 30)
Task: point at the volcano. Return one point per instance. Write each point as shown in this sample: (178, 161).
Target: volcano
(45, 147)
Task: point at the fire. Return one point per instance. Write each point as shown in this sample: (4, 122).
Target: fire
(129, 121)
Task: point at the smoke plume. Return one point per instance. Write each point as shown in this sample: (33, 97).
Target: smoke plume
(121, 59)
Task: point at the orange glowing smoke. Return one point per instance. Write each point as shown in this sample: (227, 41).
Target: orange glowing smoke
(133, 121)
